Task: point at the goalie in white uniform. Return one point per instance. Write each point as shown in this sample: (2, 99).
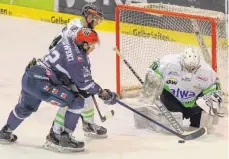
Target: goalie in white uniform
(188, 85)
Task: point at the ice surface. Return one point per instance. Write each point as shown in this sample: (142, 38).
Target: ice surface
(23, 39)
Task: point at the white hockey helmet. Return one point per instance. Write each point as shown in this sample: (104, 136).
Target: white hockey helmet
(190, 60)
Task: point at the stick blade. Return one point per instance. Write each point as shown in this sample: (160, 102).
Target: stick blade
(195, 134)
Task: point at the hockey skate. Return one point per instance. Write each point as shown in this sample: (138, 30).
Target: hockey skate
(6, 136)
(93, 130)
(62, 143)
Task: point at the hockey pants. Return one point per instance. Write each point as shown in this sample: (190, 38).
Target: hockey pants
(173, 105)
(34, 91)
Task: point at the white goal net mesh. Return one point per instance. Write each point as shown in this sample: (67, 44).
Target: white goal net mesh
(144, 37)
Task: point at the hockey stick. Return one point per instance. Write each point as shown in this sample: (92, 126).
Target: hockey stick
(107, 115)
(200, 40)
(158, 102)
(189, 136)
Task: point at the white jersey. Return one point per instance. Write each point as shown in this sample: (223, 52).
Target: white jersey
(185, 91)
(70, 30)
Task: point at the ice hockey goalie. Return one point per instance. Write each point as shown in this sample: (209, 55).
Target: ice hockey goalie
(190, 89)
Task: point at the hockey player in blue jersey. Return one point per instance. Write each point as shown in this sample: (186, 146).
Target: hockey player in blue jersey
(91, 17)
(63, 78)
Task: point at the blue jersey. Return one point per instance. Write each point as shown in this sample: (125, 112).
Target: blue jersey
(66, 57)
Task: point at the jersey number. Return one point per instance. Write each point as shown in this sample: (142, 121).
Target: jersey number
(53, 56)
(155, 65)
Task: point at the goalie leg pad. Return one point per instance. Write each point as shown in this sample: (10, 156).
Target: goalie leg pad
(207, 121)
(155, 114)
(139, 121)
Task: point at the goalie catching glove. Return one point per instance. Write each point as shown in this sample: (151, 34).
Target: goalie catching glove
(108, 97)
(210, 103)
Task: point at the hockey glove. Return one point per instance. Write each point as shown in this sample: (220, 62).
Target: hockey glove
(109, 98)
(211, 102)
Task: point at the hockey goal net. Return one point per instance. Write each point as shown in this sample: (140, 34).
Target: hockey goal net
(147, 32)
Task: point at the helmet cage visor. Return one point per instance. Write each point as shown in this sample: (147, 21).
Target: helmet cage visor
(96, 16)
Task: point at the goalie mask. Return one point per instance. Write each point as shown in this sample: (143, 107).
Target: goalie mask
(190, 62)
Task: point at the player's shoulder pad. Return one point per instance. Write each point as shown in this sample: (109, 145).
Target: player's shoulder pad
(165, 60)
(207, 70)
(206, 67)
(75, 21)
(170, 58)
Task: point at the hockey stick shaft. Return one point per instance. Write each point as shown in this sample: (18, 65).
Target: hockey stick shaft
(97, 108)
(193, 135)
(129, 66)
(160, 105)
(102, 118)
(201, 42)
(146, 117)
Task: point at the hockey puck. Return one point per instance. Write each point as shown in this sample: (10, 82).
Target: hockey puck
(181, 141)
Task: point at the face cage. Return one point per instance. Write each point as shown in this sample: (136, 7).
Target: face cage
(189, 69)
(98, 19)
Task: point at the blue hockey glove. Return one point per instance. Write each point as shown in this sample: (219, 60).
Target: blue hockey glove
(109, 97)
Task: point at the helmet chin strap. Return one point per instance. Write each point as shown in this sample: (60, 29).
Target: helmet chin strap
(89, 25)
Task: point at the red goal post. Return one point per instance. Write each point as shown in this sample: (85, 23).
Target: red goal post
(171, 22)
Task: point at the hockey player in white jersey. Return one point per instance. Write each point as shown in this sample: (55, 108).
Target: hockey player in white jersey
(190, 85)
(92, 16)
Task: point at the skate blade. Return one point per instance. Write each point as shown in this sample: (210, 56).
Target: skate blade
(56, 148)
(94, 135)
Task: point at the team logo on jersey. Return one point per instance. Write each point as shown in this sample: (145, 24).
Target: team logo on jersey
(63, 95)
(198, 87)
(202, 78)
(172, 81)
(184, 94)
(55, 91)
(46, 88)
(47, 72)
(54, 102)
(173, 73)
(41, 77)
(86, 72)
(79, 59)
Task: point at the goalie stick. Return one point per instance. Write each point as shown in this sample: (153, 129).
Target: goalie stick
(188, 136)
(107, 115)
(158, 102)
(200, 40)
